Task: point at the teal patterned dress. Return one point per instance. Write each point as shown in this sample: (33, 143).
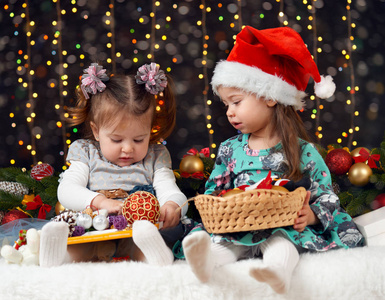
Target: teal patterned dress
(237, 165)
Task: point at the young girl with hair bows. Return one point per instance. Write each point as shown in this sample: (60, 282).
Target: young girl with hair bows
(120, 152)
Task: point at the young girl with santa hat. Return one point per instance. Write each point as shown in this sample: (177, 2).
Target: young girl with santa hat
(262, 84)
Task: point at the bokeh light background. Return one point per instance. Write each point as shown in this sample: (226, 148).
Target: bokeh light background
(45, 45)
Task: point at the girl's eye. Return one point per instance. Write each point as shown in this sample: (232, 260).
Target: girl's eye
(116, 141)
(138, 141)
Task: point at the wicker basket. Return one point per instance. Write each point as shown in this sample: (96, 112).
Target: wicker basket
(250, 210)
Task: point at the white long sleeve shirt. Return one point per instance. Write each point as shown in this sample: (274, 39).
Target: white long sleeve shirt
(90, 171)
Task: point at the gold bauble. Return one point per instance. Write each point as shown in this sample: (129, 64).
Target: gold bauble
(356, 152)
(59, 208)
(191, 164)
(232, 192)
(359, 174)
(279, 188)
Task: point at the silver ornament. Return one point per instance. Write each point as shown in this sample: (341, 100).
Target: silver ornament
(100, 222)
(84, 220)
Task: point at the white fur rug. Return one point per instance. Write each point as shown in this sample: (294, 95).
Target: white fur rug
(340, 274)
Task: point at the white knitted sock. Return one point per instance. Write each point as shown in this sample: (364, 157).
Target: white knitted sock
(148, 239)
(53, 244)
(223, 255)
(279, 260)
(197, 250)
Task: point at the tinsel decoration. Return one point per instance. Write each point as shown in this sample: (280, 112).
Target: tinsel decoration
(69, 217)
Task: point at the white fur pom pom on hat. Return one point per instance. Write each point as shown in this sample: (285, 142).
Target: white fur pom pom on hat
(325, 88)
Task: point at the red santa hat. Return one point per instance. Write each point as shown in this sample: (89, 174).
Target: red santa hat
(272, 63)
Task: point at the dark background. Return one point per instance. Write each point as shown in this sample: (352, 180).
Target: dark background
(85, 37)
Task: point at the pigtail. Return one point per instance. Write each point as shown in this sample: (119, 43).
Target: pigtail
(79, 113)
(165, 113)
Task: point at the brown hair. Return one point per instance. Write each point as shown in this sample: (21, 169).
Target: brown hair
(123, 98)
(290, 127)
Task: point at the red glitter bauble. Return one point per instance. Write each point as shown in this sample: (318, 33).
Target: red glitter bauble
(339, 161)
(40, 171)
(12, 215)
(141, 205)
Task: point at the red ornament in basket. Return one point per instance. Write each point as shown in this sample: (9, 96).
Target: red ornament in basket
(40, 171)
(141, 205)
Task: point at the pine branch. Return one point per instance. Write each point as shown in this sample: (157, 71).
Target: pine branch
(355, 207)
(9, 201)
(10, 174)
(34, 186)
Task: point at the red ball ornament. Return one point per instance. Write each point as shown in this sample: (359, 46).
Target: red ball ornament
(339, 161)
(40, 171)
(12, 215)
(378, 202)
(141, 205)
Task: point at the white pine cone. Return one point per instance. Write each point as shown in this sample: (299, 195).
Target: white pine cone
(69, 217)
(14, 188)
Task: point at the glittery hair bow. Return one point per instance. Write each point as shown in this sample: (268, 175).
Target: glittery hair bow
(92, 80)
(154, 79)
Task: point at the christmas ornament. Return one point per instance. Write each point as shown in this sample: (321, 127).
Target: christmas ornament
(359, 174)
(84, 220)
(365, 156)
(378, 202)
(2, 214)
(141, 205)
(279, 188)
(356, 152)
(59, 208)
(191, 164)
(119, 222)
(336, 188)
(12, 215)
(21, 240)
(69, 217)
(40, 171)
(100, 222)
(78, 231)
(232, 192)
(13, 188)
(37, 203)
(339, 161)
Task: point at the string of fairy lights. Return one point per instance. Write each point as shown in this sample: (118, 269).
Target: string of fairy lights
(25, 26)
(32, 97)
(353, 88)
(207, 102)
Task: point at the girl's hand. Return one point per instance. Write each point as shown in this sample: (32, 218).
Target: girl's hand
(102, 202)
(305, 216)
(169, 214)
